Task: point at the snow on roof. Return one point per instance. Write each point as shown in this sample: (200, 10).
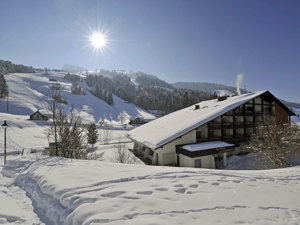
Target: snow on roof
(165, 129)
(206, 145)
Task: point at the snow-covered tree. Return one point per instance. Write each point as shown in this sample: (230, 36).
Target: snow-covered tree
(122, 117)
(276, 143)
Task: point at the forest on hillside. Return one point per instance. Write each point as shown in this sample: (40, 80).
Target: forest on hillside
(9, 67)
(151, 93)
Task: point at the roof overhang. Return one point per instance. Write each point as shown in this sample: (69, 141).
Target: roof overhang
(204, 149)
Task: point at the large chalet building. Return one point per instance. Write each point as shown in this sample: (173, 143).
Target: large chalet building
(204, 134)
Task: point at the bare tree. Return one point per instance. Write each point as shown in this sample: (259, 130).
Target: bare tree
(106, 132)
(122, 154)
(66, 132)
(277, 144)
(53, 106)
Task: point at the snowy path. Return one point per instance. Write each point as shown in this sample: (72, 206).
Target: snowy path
(90, 192)
(15, 206)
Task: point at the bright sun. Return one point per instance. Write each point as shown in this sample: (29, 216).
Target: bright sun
(98, 40)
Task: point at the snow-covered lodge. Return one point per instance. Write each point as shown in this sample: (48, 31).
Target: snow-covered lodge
(204, 134)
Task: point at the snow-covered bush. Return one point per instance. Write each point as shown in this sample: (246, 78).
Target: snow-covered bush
(278, 144)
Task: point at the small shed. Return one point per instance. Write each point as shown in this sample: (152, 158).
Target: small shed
(137, 121)
(38, 116)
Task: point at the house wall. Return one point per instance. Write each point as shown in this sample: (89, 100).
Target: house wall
(167, 154)
(282, 115)
(206, 161)
(204, 131)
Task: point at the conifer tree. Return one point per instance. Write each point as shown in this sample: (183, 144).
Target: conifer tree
(3, 87)
(92, 134)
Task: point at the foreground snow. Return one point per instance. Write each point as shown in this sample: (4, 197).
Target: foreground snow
(15, 206)
(91, 192)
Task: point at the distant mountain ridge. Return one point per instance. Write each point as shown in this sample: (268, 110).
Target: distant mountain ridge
(72, 68)
(206, 87)
(150, 91)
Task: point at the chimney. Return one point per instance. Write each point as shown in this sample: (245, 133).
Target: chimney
(197, 107)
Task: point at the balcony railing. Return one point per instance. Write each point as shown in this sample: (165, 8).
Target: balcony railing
(214, 124)
(215, 138)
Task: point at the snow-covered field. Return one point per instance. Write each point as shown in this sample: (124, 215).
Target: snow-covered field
(91, 192)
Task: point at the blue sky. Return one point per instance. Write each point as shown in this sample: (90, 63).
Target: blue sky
(176, 40)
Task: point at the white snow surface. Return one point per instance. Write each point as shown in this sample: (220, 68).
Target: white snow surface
(81, 192)
(223, 93)
(27, 93)
(175, 124)
(206, 145)
(15, 206)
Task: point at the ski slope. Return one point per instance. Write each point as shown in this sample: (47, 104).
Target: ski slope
(28, 92)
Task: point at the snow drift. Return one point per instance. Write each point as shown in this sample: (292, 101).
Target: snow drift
(91, 192)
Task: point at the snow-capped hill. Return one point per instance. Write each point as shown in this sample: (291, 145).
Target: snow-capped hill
(28, 92)
(223, 93)
(72, 68)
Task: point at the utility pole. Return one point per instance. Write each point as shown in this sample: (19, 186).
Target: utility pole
(4, 125)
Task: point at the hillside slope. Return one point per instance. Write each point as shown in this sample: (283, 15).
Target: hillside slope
(206, 87)
(28, 92)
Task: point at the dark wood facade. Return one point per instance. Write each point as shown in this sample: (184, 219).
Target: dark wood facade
(38, 116)
(237, 125)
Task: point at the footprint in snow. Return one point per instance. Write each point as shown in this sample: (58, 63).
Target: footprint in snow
(181, 190)
(161, 189)
(113, 194)
(202, 182)
(236, 181)
(144, 192)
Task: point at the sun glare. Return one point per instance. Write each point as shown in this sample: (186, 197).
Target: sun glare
(98, 40)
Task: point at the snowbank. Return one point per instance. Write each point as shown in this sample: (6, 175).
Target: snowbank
(91, 192)
(15, 206)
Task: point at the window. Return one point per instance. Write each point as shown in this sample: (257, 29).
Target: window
(198, 134)
(198, 163)
(249, 108)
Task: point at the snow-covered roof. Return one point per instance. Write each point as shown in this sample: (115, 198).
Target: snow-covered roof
(206, 145)
(165, 129)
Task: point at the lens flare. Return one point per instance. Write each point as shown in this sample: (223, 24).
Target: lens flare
(98, 40)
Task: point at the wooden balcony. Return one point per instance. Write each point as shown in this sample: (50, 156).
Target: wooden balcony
(202, 139)
(239, 111)
(228, 137)
(215, 138)
(239, 135)
(213, 124)
(227, 123)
